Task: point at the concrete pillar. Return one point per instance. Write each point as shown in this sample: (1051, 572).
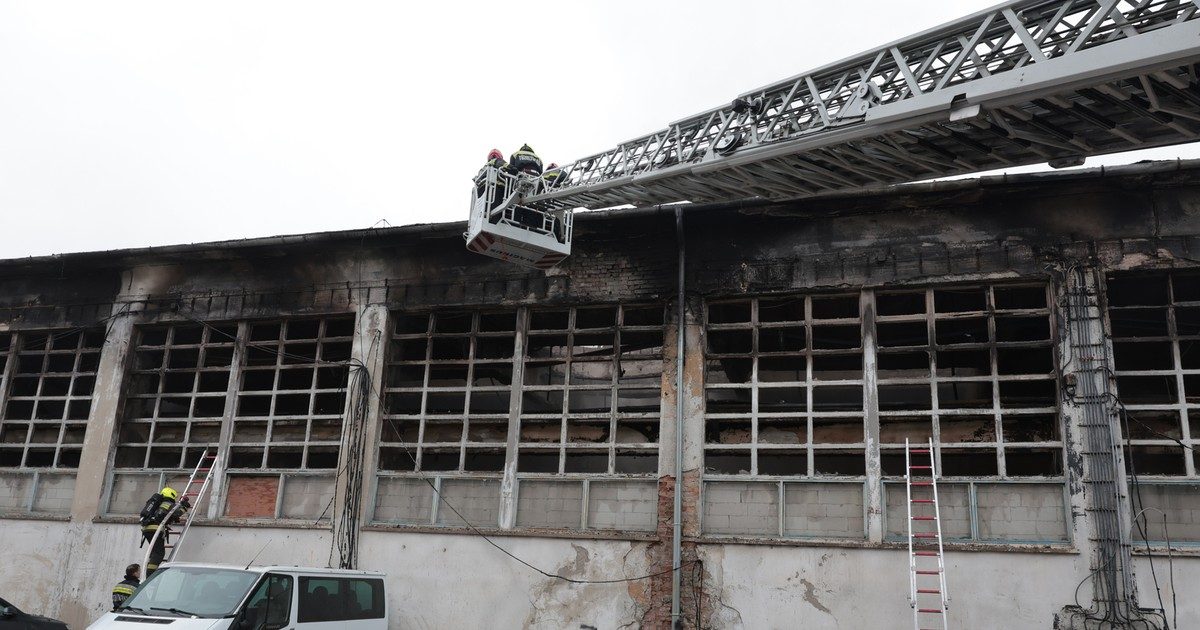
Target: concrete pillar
(507, 516)
(357, 481)
(1095, 462)
(874, 490)
(693, 417)
(106, 406)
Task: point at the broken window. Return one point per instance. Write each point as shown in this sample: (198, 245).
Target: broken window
(971, 367)
(276, 389)
(783, 387)
(1154, 321)
(292, 395)
(593, 390)
(449, 392)
(588, 399)
(44, 406)
(175, 395)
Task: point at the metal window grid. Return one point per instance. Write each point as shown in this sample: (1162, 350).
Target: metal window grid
(175, 400)
(46, 395)
(447, 404)
(987, 384)
(781, 382)
(194, 386)
(291, 396)
(1154, 324)
(583, 391)
(598, 408)
(437, 404)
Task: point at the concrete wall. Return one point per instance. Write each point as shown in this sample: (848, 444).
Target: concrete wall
(434, 581)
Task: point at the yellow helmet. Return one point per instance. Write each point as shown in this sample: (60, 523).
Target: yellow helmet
(169, 493)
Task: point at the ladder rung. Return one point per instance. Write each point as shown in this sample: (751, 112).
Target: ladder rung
(922, 451)
(929, 571)
(925, 535)
(921, 483)
(922, 500)
(929, 591)
(923, 518)
(921, 467)
(925, 553)
(930, 611)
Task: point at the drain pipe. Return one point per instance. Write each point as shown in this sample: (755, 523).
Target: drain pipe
(677, 536)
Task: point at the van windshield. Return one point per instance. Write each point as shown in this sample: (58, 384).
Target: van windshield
(186, 591)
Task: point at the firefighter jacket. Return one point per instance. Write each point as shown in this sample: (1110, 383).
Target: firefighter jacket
(123, 590)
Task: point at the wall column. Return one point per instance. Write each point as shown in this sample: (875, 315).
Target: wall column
(106, 407)
(355, 488)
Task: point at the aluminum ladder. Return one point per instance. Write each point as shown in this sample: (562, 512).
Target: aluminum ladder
(194, 491)
(925, 545)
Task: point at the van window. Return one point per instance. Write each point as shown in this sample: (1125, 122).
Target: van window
(270, 607)
(209, 592)
(340, 599)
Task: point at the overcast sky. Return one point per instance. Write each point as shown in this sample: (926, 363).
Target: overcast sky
(127, 124)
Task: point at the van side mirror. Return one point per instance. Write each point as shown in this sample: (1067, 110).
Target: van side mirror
(6, 612)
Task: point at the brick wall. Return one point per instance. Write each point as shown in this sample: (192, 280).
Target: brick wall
(251, 497)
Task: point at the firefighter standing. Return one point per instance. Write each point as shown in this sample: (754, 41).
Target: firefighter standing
(495, 159)
(126, 587)
(524, 160)
(153, 515)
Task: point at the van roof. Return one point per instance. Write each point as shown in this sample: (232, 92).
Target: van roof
(276, 567)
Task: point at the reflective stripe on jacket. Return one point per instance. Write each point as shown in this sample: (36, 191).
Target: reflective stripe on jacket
(164, 508)
(526, 162)
(123, 590)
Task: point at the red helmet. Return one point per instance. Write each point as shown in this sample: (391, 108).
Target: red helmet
(495, 154)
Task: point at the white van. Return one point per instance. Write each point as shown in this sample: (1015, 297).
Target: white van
(192, 596)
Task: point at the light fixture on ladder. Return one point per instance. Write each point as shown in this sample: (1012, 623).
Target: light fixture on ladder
(924, 544)
(194, 491)
(501, 226)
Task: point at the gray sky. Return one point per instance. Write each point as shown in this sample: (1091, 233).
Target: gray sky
(126, 124)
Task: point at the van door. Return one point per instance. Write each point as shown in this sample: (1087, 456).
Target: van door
(269, 606)
(328, 602)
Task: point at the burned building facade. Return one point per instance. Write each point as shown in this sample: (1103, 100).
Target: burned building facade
(386, 399)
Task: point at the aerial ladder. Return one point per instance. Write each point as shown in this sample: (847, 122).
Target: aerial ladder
(1023, 82)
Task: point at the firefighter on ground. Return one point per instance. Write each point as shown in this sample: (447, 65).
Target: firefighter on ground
(524, 160)
(495, 159)
(126, 587)
(154, 515)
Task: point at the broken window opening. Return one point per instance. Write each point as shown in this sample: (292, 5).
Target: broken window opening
(43, 415)
(1153, 320)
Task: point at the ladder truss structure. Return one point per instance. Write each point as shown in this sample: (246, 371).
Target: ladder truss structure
(1024, 82)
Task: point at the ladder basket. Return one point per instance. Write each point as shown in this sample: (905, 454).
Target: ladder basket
(501, 227)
